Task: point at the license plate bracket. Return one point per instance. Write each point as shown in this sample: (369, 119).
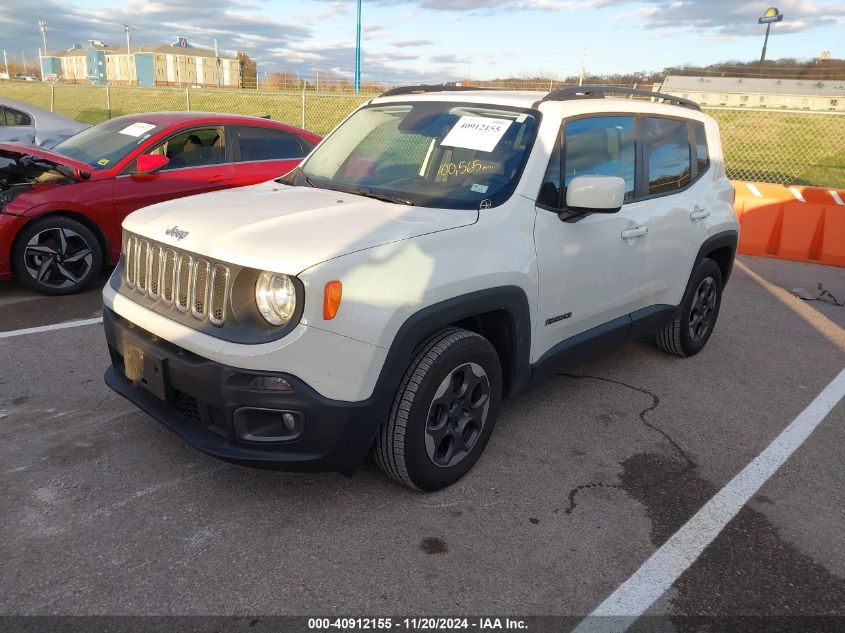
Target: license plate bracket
(146, 369)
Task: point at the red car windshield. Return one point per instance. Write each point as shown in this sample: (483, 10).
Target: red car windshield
(102, 146)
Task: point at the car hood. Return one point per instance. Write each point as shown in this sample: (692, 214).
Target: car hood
(17, 150)
(286, 229)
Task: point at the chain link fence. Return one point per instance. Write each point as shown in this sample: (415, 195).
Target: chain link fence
(783, 146)
(777, 146)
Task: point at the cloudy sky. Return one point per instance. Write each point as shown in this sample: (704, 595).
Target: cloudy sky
(438, 40)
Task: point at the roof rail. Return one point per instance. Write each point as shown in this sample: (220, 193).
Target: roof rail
(598, 92)
(413, 90)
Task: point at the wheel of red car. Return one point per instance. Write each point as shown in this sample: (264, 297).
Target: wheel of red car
(57, 256)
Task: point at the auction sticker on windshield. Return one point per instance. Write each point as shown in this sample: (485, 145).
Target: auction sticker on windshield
(477, 132)
(136, 129)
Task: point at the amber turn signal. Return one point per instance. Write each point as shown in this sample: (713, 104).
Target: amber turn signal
(331, 299)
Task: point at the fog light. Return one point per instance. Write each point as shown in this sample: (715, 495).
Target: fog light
(271, 383)
(255, 424)
(289, 421)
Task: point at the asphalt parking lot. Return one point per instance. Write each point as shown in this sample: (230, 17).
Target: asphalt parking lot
(107, 512)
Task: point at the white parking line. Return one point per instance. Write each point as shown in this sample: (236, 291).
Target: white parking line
(48, 328)
(676, 555)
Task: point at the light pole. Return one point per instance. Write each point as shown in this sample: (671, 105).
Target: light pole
(358, 51)
(6, 62)
(771, 15)
(42, 26)
(126, 28)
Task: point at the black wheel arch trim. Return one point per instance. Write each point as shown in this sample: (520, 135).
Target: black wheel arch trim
(419, 326)
(427, 321)
(714, 242)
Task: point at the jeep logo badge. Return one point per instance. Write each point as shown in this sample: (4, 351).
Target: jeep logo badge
(176, 232)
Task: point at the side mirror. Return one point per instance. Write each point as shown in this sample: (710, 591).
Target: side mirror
(149, 164)
(595, 194)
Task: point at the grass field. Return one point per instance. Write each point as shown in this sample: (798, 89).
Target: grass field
(779, 147)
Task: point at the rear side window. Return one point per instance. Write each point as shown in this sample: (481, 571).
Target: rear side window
(702, 156)
(259, 143)
(668, 146)
(600, 146)
(16, 117)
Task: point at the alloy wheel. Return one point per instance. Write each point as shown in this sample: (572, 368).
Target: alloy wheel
(703, 309)
(58, 257)
(457, 414)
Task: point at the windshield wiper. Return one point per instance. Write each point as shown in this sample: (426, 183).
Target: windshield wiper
(287, 179)
(377, 195)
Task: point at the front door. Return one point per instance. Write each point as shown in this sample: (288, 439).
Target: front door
(590, 270)
(198, 163)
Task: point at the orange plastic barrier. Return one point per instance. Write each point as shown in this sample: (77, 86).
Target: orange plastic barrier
(805, 224)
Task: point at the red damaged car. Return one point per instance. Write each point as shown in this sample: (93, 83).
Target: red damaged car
(61, 209)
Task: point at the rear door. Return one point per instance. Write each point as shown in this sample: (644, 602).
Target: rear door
(200, 160)
(263, 153)
(676, 158)
(16, 126)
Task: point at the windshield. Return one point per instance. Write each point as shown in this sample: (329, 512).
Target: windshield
(104, 145)
(428, 153)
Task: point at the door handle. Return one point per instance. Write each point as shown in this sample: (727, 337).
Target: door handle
(699, 213)
(639, 231)
(219, 178)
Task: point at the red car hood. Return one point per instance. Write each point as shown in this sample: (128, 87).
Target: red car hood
(16, 150)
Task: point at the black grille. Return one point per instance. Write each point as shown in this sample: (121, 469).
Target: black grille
(186, 406)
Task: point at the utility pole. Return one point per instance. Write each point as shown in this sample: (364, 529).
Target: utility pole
(216, 63)
(358, 51)
(583, 66)
(23, 57)
(6, 61)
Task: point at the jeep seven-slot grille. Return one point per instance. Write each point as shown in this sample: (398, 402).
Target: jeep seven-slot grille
(175, 278)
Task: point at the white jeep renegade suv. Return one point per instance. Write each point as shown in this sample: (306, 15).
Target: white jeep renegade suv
(440, 250)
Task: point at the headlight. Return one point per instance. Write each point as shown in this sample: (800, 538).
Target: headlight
(275, 296)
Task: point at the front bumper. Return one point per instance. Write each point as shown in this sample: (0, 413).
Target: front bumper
(201, 397)
(10, 225)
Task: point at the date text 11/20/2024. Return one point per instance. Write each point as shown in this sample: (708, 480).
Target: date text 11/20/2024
(416, 624)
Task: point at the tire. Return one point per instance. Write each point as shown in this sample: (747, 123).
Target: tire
(435, 433)
(56, 255)
(689, 332)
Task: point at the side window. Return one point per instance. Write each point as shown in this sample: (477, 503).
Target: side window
(600, 146)
(16, 117)
(668, 154)
(259, 143)
(702, 156)
(193, 148)
(2, 117)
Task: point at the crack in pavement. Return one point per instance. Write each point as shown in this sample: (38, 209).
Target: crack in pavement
(690, 464)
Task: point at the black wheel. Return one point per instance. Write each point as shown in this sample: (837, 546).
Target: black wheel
(691, 329)
(444, 411)
(56, 256)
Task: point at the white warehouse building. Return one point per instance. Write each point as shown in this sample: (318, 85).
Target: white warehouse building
(742, 92)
